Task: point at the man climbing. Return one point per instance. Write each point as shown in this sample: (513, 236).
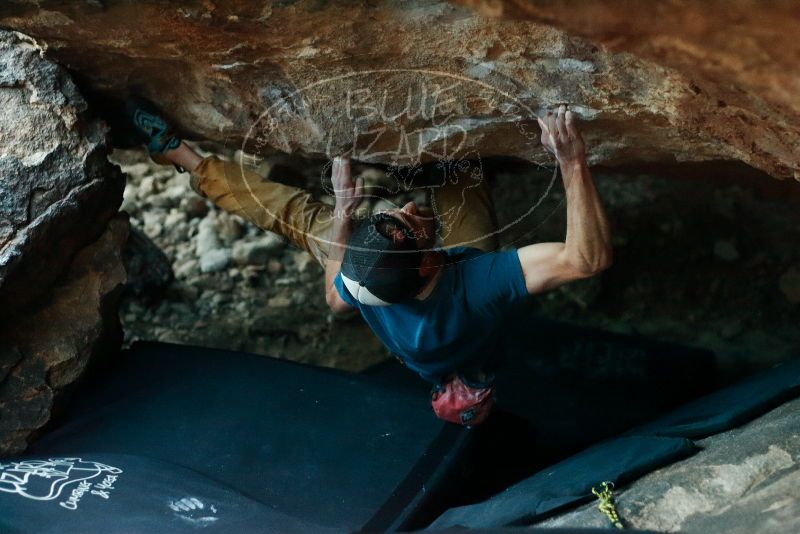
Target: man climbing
(438, 309)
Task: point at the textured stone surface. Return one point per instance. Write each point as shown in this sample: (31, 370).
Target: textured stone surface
(741, 55)
(149, 270)
(57, 189)
(218, 66)
(60, 265)
(743, 481)
(46, 349)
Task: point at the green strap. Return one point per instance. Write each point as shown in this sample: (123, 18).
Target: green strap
(606, 503)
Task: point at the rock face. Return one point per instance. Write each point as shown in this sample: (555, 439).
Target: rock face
(400, 82)
(738, 55)
(58, 193)
(742, 481)
(148, 268)
(57, 189)
(45, 350)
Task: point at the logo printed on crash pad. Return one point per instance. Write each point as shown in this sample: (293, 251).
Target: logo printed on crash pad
(65, 479)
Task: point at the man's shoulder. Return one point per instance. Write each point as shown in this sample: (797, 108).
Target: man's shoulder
(460, 255)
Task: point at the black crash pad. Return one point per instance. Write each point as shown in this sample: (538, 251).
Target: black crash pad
(569, 482)
(563, 388)
(329, 448)
(123, 494)
(625, 458)
(578, 386)
(532, 530)
(730, 406)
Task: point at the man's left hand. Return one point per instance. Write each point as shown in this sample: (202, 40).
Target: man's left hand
(561, 137)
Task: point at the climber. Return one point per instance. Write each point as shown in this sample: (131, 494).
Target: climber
(438, 309)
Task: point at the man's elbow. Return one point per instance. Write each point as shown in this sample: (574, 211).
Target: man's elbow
(603, 262)
(593, 267)
(336, 304)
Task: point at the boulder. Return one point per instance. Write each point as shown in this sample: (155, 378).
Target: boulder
(742, 481)
(149, 269)
(60, 248)
(46, 349)
(740, 56)
(425, 80)
(57, 188)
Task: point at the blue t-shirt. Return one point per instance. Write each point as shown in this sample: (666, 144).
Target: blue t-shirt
(456, 327)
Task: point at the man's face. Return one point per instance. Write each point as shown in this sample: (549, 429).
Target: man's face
(421, 221)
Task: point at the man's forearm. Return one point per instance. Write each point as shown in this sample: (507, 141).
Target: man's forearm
(342, 228)
(348, 196)
(588, 242)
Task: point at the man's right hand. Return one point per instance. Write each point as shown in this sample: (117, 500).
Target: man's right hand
(349, 193)
(561, 137)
